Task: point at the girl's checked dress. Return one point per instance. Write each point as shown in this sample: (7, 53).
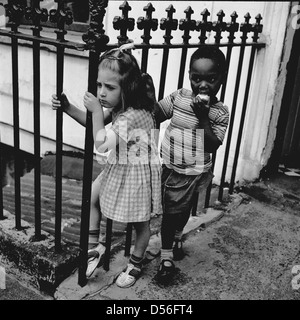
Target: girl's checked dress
(130, 184)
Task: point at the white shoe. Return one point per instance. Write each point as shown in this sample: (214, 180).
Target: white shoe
(128, 277)
(94, 257)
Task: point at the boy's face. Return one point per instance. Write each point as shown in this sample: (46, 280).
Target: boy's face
(205, 77)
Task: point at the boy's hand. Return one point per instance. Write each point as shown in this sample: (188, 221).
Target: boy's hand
(200, 108)
(91, 102)
(62, 103)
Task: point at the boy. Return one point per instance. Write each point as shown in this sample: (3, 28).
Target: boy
(186, 151)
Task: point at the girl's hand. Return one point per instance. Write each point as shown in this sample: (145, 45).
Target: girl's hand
(62, 103)
(91, 102)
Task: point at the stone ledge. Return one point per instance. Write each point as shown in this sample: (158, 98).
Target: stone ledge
(45, 268)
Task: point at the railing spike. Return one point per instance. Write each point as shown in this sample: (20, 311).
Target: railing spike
(95, 38)
(204, 25)
(257, 27)
(232, 26)
(61, 16)
(187, 24)
(15, 11)
(219, 26)
(147, 23)
(245, 27)
(37, 15)
(168, 24)
(123, 23)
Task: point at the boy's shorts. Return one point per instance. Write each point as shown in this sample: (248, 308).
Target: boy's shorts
(179, 190)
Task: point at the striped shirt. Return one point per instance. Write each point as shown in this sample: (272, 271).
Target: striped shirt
(182, 147)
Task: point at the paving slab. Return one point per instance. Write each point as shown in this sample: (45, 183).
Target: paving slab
(103, 281)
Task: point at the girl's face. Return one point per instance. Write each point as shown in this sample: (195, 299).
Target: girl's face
(205, 77)
(109, 89)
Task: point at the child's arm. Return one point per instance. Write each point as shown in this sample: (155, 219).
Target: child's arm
(74, 112)
(104, 140)
(211, 141)
(159, 115)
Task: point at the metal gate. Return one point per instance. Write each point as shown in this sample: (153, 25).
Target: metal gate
(97, 41)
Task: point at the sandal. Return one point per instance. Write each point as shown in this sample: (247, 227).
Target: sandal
(166, 271)
(178, 253)
(128, 277)
(94, 257)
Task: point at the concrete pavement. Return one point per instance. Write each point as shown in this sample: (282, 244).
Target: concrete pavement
(246, 249)
(251, 251)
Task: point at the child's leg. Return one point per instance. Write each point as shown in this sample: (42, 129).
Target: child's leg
(95, 215)
(96, 249)
(133, 270)
(168, 228)
(142, 230)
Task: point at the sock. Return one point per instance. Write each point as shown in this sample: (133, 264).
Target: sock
(136, 261)
(102, 238)
(167, 254)
(93, 238)
(178, 235)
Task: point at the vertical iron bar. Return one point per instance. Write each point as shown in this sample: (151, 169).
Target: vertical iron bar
(208, 190)
(128, 239)
(182, 67)
(96, 41)
(223, 90)
(60, 16)
(37, 147)
(218, 27)
(87, 171)
(221, 188)
(108, 244)
(240, 132)
(224, 85)
(163, 73)
(231, 121)
(59, 140)
(144, 63)
(231, 28)
(15, 80)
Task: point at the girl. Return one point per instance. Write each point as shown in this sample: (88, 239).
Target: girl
(128, 189)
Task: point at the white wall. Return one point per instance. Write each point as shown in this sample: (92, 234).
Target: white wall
(261, 113)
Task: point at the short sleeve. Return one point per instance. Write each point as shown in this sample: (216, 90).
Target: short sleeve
(167, 104)
(220, 121)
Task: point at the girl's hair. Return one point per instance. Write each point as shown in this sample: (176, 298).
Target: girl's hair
(133, 86)
(212, 53)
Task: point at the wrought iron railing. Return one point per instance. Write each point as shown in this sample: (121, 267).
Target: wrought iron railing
(96, 42)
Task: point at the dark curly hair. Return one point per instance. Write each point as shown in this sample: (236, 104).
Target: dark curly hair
(213, 53)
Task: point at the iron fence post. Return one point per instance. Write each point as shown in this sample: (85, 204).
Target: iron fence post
(147, 24)
(61, 17)
(15, 12)
(96, 42)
